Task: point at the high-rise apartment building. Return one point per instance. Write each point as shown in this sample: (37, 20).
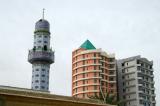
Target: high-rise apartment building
(135, 82)
(93, 72)
(41, 56)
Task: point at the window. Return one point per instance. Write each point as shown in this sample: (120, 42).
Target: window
(45, 36)
(76, 70)
(123, 70)
(43, 70)
(127, 70)
(43, 81)
(39, 41)
(111, 91)
(111, 85)
(43, 75)
(37, 69)
(83, 62)
(102, 70)
(102, 64)
(42, 87)
(83, 56)
(123, 77)
(138, 68)
(83, 75)
(39, 36)
(83, 68)
(83, 88)
(36, 81)
(94, 54)
(95, 80)
(142, 64)
(111, 78)
(37, 75)
(153, 98)
(36, 87)
(102, 76)
(95, 87)
(124, 90)
(95, 93)
(83, 81)
(87, 82)
(83, 95)
(111, 72)
(45, 47)
(102, 83)
(124, 97)
(45, 42)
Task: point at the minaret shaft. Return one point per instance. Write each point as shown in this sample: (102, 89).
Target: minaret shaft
(41, 56)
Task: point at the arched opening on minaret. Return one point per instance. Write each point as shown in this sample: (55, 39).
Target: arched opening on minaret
(34, 48)
(45, 47)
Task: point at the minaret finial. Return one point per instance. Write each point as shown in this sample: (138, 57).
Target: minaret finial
(43, 14)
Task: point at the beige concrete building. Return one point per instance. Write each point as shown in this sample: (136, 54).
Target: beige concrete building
(11, 96)
(93, 72)
(136, 81)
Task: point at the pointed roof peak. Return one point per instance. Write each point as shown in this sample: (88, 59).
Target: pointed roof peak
(87, 45)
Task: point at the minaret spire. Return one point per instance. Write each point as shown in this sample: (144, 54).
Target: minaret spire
(43, 14)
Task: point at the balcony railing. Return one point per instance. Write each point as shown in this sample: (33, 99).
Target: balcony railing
(41, 56)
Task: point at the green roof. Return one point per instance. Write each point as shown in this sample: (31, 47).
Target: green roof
(87, 45)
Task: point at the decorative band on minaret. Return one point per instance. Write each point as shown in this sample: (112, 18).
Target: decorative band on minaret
(41, 56)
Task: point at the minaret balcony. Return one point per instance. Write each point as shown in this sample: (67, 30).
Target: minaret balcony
(41, 56)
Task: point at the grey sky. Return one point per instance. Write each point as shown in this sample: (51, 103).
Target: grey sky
(124, 27)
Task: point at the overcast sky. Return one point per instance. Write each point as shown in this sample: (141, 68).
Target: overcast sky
(124, 27)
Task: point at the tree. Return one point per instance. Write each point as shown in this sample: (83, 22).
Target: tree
(108, 98)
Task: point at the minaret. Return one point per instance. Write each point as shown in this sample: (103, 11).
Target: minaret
(41, 56)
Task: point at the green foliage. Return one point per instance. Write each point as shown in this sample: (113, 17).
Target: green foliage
(108, 99)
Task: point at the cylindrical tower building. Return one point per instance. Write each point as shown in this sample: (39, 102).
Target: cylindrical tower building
(93, 72)
(41, 56)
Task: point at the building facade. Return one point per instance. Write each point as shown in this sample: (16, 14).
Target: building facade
(12, 96)
(136, 82)
(41, 56)
(93, 72)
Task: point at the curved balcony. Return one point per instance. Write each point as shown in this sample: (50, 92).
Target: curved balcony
(41, 56)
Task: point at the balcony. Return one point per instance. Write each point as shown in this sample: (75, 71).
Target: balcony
(41, 56)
